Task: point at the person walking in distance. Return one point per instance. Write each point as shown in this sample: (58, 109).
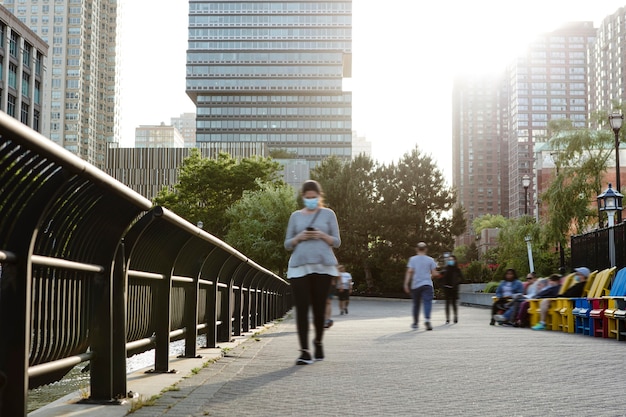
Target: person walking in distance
(418, 281)
(312, 233)
(451, 278)
(344, 289)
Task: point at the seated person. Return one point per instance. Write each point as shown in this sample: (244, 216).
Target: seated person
(517, 312)
(530, 283)
(550, 290)
(509, 287)
(575, 291)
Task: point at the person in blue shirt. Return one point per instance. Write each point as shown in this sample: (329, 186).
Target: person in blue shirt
(418, 282)
(509, 287)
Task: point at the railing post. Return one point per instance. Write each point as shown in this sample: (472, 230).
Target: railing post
(15, 294)
(211, 314)
(191, 317)
(162, 324)
(101, 335)
(120, 285)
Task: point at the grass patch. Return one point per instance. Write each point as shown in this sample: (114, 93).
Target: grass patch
(142, 402)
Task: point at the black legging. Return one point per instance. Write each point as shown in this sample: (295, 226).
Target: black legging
(451, 295)
(310, 290)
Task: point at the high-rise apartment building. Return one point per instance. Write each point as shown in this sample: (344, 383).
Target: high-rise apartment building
(81, 103)
(186, 125)
(548, 82)
(271, 71)
(22, 70)
(479, 148)
(607, 82)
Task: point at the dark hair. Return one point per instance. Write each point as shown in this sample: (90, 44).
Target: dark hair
(311, 185)
(511, 270)
(555, 277)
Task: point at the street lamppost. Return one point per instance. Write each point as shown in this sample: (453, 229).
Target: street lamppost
(615, 119)
(610, 202)
(200, 225)
(525, 184)
(529, 248)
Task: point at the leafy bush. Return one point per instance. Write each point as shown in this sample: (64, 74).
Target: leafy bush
(477, 272)
(491, 286)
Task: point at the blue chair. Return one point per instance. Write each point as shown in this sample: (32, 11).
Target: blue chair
(582, 306)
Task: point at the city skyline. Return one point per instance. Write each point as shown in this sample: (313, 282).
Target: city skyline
(401, 94)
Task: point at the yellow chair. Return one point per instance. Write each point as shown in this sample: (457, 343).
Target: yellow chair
(534, 307)
(567, 305)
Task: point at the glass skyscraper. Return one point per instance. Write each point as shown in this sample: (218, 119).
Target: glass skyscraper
(272, 71)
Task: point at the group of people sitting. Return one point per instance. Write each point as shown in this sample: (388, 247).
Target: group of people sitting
(511, 305)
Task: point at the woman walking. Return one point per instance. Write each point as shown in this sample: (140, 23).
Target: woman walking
(311, 234)
(450, 280)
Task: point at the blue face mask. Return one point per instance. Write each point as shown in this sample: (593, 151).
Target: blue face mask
(450, 263)
(311, 203)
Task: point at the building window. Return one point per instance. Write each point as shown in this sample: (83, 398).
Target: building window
(37, 92)
(36, 121)
(25, 84)
(12, 76)
(13, 45)
(11, 106)
(26, 55)
(24, 114)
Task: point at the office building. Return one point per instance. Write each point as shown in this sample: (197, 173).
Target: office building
(272, 71)
(186, 125)
(547, 82)
(148, 170)
(360, 146)
(81, 103)
(479, 148)
(22, 70)
(158, 136)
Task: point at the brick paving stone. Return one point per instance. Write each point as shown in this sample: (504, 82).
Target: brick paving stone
(377, 366)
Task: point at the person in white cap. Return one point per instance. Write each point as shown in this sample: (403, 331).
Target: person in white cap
(575, 291)
(418, 281)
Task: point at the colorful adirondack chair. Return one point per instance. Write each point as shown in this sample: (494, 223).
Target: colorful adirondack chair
(603, 309)
(566, 306)
(582, 306)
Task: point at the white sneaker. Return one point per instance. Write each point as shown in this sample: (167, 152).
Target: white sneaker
(499, 317)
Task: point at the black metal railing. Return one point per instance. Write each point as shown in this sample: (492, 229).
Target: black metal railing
(592, 249)
(91, 271)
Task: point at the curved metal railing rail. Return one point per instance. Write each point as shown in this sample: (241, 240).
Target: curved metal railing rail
(91, 271)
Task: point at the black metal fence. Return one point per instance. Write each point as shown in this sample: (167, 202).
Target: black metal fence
(592, 249)
(92, 272)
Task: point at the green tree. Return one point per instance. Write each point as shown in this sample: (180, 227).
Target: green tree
(580, 156)
(488, 221)
(415, 205)
(348, 190)
(258, 224)
(512, 249)
(206, 188)
(459, 220)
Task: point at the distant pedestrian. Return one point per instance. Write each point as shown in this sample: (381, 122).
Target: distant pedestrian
(418, 281)
(344, 289)
(451, 278)
(508, 288)
(311, 234)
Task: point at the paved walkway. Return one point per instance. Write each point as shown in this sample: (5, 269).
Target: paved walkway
(377, 366)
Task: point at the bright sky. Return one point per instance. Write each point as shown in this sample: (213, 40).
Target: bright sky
(405, 57)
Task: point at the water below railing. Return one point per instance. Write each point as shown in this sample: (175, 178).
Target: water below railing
(77, 380)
